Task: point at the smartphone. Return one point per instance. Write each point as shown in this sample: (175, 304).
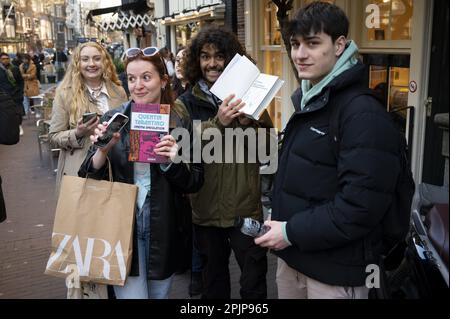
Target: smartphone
(115, 124)
(89, 116)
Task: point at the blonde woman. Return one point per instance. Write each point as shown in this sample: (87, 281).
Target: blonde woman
(90, 85)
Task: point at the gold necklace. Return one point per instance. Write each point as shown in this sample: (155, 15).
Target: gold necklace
(96, 91)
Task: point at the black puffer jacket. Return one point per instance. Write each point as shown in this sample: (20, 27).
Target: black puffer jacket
(334, 207)
(170, 217)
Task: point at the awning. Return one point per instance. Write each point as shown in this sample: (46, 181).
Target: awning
(138, 5)
(124, 22)
(216, 13)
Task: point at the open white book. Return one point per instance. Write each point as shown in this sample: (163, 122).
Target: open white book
(242, 78)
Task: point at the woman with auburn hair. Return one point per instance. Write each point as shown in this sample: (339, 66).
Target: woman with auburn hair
(90, 85)
(163, 224)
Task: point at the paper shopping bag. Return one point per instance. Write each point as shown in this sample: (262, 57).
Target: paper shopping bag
(93, 231)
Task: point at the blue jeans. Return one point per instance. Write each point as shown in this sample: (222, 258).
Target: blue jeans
(140, 287)
(26, 104)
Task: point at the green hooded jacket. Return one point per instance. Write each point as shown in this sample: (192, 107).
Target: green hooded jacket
(230, 189)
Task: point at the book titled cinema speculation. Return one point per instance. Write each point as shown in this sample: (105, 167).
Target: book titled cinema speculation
(149, 124)
(242, 78)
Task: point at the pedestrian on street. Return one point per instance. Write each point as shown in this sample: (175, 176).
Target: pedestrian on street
(161, 224)
(31, 86)
(327, 207)
(12, 82)
(9, 134)
(168, 59)
(180, 84)
(230, 190)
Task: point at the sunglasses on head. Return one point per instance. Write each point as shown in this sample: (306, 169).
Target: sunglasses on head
(86, 40)
(150, 51)
(132, 52)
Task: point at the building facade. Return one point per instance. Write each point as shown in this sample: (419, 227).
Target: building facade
(180, 20)
(400, 41)
(31, 25)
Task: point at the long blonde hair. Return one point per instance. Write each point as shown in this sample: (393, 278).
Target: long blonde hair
(73, 80)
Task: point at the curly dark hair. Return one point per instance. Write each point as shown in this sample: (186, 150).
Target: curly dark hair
(221, 38)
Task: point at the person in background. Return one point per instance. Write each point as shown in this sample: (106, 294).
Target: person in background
(161, 225)
(17, 60)
(37, 59)
(28, 71)
(9, 134)
(168, 59)
(14, 84)
(61, 60)
(180, 84)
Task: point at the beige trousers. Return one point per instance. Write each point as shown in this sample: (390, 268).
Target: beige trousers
(294, 285)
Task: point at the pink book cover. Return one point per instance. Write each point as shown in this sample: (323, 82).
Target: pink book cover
(149, 123)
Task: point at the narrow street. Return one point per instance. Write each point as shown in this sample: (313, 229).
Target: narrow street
(28, 186)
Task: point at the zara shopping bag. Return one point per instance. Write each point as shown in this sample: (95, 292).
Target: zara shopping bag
(93, 231)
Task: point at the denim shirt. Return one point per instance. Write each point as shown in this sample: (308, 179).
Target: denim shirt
(142, 178)
(211, 97)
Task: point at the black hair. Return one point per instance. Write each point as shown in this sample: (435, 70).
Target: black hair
(225, 41)
(4, 53)
(319, 17)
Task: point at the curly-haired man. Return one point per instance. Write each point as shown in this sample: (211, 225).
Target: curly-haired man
(230, 190)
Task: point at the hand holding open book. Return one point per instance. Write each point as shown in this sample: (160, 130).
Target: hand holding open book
(242, 78)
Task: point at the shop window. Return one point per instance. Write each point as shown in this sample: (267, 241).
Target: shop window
(273, 65)
(272, 55)
(272, 33)
(394, 20)
(186, 32)
(389, 79)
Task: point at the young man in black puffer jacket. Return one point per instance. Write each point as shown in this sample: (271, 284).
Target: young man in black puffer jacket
(328, 204)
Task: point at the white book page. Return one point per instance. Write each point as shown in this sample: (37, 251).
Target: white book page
(269, 97)
(237, 77)
(258, 92)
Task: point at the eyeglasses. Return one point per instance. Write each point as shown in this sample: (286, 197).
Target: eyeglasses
(133, 52)
(150, 51)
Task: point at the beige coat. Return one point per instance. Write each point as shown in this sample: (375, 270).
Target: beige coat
(31, 83)
(62, 136)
